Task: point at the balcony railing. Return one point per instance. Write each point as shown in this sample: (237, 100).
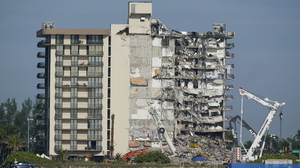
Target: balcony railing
(94, 73)
(228, 97)
(95, 116)
(41, 86)
(40, 106)
(229, 87)
(58, 136)
(42, 43)
(95, 137)
(41, 96)
(41, 75)
(41, 65)
(41, 55)
(41, 127)
(95, 105)
(230, 77)
(229, 45)
(58, 147)
(58, 105)
(228, 108)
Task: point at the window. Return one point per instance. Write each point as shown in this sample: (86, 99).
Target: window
(73, 124)
(94, 113)
(73, 134)
(108, 93)
(73, 103)
(94, 39)
(108, 103)
(73, 145)
(58, 113)
(108, 124)
(74, 71)
(59, 39)
(74, 60)
(58, 81)
(74, 92)
(94, 71)
(95, 61)
(95, 82)
(94, 134)
(74, 113)
(58, 92)
(94, 92)
(94, 50)
(74, 50)
(108, 82)
(108, 113)
(59, 60)
(75, 39)
(60, 50)
(108, 134)
(59, 71)
(58, 145)
(73, 81)
(109, 72)
(58, 134)
(94, 103)
(109, 61)
(58, 102)
(58, 124)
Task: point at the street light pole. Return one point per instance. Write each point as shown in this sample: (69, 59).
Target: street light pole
(280, 116)
(28, 133)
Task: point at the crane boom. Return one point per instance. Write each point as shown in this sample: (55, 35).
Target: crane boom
(273, 108)
(161, 129)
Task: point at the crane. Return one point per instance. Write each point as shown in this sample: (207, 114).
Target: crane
(162, 130)
(273, 108)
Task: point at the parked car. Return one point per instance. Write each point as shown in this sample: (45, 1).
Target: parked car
(23, 164)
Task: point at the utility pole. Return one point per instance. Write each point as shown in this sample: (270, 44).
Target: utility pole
(28, 133)
(280, 116)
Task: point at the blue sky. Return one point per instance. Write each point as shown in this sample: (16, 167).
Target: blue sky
(266, 45)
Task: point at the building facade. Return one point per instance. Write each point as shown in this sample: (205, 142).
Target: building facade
(127, 71)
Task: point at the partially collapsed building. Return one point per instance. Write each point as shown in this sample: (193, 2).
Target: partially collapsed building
(142, 70)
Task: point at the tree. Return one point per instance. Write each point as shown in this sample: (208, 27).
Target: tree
(62, 154)
(15, 142)
(21, 117)
(11, 110)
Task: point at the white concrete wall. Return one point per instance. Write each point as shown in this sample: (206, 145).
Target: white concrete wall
(120, 84)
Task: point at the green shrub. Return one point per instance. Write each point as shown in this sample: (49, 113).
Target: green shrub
(27, 157)
(275, 156)
(152, 157)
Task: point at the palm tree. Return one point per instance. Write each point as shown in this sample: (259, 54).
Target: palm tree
(15, 142)
(62, 154)
(118, 157)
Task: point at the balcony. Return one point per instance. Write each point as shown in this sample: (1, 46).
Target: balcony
(93, 148)
(230, 77)
(42, 43)
(229, 97)
(41, 127)
(41, 65)
(41, 55)
(57, 147)
(229, 45)
(95, 116)
(99, 137)
(41, 75)
(41, 86)
(40, 106)
(228, 108)
(229, 56)
(95, 106)
(41, 96)
(229, 87)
